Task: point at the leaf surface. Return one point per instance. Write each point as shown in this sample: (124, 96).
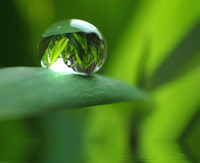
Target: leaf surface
(28, 91)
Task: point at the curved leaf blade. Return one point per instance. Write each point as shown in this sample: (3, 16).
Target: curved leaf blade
(58, 48)
(174, 66)
(29, 91)
(78, 46)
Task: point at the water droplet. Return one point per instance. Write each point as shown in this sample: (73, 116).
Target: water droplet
(72, 46)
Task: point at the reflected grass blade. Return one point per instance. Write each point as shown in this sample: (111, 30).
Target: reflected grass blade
(142, 78)
(186, 51)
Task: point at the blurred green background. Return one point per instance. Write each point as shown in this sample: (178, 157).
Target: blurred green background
(152, 44)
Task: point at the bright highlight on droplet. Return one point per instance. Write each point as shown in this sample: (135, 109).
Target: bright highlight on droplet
(72, 46)
(60, 66)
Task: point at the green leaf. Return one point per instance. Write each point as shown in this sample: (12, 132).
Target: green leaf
(45, 57)
(29, 91)
(81, 37)
(94, 52)
(90, 64)
(78, 60)
(141, 77)
(74, 64)
(78, 46)
(180, 57)
(42, 46)
(58, 48)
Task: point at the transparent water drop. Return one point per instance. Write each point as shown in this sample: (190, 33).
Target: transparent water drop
(72, 46)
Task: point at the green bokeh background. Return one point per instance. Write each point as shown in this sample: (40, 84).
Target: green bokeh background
(141, 35)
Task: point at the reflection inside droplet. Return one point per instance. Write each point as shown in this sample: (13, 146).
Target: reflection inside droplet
(72, 46)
